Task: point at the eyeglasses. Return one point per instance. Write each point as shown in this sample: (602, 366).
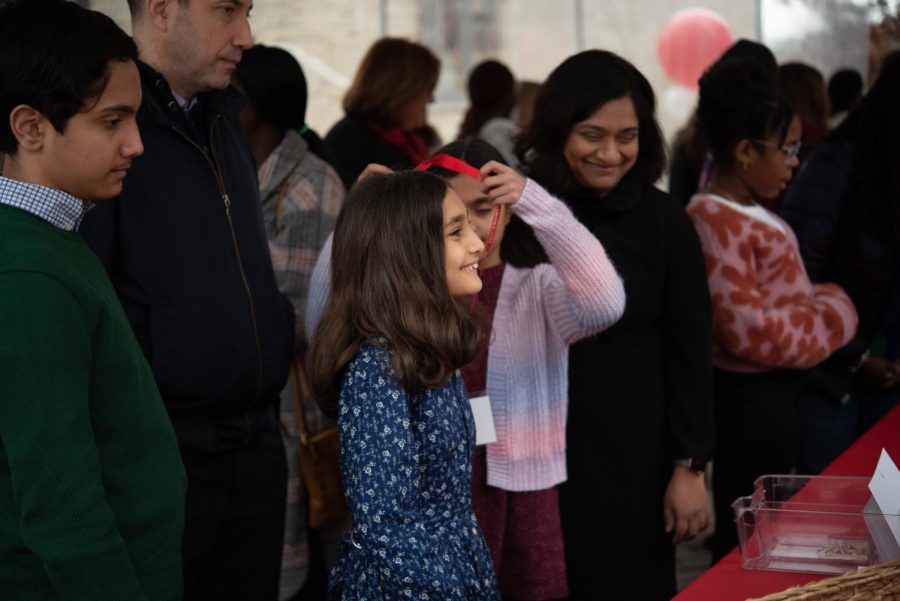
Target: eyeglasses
(789, 151)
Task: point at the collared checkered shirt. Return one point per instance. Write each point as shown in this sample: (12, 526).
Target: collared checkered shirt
(58, 208)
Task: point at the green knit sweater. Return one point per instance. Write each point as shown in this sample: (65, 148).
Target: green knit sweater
(91, 481)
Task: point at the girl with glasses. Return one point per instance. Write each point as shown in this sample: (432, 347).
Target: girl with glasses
(770, 324)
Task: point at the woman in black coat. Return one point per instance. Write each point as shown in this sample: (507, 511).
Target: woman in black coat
(385, 108)
(640, 420)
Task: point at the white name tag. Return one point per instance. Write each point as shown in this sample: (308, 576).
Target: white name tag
(484, 420)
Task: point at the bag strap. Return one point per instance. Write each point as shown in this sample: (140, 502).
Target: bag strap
(301, 389)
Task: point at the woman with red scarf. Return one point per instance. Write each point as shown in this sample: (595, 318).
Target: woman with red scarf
(385, 110)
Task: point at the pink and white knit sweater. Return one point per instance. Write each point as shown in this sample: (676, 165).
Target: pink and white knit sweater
(540, 312)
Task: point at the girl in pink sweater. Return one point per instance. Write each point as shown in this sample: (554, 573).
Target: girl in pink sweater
(770, 323)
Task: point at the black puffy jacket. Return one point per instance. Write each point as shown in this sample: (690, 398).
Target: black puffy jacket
(838, 246)
(185, 247)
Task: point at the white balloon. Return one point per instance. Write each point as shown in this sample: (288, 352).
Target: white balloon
(679, 102)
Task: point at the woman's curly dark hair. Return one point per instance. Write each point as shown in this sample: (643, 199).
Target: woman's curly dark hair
(739, 100)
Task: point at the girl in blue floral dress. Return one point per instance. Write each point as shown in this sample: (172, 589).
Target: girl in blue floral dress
(385, 358)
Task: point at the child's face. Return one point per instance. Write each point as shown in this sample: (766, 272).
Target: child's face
(769, 173)
(462, 248)
(90, 158)
(473, 194)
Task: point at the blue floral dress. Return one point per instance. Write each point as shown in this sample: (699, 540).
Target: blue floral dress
(406, 466)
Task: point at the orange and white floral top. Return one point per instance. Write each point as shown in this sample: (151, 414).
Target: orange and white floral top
(766, 312)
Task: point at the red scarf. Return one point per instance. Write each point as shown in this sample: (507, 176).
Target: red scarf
(407, 142)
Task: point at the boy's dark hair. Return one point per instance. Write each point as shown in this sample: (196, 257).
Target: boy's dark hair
(577, 88)
(739, 100)
(389, 282)
(54, 57)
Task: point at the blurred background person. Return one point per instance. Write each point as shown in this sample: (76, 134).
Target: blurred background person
(803, 87)
(845, 90)
(492, 97)
(301, 196)
(845, 209)
(523, 112)
(386, 118)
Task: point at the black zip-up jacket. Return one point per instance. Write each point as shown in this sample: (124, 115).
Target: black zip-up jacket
(838, 245)
(185, 247)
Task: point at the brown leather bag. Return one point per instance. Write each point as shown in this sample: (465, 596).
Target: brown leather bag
(320, 461)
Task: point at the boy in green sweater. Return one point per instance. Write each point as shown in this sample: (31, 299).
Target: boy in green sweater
(91, 481)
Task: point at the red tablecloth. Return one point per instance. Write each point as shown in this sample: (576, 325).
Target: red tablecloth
(727, 581)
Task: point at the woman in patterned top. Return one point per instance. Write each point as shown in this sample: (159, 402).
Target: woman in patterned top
(385, 357)
(770, 324)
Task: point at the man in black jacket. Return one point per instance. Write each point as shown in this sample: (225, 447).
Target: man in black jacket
(186, 250)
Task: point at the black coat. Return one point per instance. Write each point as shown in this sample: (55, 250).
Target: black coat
(197, 284)
(352, 145)
(640, 396)
(839, 245)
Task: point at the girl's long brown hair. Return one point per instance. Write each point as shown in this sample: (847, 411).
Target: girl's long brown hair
(389, 282)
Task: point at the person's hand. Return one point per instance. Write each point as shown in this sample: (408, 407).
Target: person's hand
(374, 169)
(879, 373)
(686, 504)
(504, 184)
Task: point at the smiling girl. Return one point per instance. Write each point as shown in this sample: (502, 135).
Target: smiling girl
(770, 323)
(386, 356)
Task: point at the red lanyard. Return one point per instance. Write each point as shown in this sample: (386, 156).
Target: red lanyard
(450, 164)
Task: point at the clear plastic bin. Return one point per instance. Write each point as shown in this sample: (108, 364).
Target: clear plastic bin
(815, 524)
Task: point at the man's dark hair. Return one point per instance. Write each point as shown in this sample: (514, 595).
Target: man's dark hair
(54, 57)
(136, 7)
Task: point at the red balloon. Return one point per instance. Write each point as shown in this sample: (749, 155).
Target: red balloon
(690, 41)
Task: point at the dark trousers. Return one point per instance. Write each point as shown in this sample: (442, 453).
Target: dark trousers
(829, 426)
(756, 434)
(234, 522)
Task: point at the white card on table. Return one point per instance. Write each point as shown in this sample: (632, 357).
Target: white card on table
(885, 488)
(484, 420)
